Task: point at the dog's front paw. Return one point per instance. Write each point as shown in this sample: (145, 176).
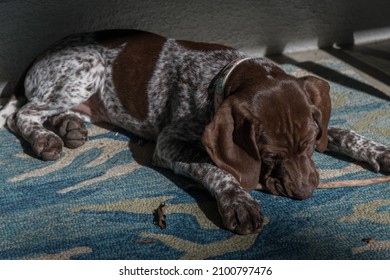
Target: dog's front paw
(381, 159)
(240, 212)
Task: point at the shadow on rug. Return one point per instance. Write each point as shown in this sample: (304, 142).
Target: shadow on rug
(97, 202)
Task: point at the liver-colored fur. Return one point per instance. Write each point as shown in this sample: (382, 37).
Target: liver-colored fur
(265, 129)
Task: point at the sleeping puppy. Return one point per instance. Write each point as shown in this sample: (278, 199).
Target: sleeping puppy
(218, 116)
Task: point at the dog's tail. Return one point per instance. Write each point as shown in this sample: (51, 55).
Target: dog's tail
(17, 100)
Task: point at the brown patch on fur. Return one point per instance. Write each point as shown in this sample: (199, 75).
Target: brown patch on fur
(198, 46)
(134, 66)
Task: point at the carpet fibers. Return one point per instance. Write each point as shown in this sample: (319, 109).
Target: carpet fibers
(97, 201)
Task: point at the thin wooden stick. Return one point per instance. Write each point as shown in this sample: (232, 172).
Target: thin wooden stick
(347, 183)
(354, 183)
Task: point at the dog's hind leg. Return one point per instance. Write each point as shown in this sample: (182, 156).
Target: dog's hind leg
(28, 123)
(58, 82)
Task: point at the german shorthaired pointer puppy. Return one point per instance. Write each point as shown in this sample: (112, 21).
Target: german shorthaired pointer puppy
(226, 120)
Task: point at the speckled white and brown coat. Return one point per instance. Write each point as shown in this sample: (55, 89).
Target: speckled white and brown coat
(265, 130)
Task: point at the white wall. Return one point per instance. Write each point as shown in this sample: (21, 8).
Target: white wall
(257, 26)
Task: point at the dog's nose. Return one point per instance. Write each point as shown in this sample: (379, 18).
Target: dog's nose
(303, 193)
(306, 189)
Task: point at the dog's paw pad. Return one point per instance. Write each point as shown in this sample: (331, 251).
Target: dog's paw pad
(48, 147)
(240, 213)
(73, 132)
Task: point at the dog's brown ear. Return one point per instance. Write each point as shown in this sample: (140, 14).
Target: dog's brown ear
(317, 91)
(230, 141)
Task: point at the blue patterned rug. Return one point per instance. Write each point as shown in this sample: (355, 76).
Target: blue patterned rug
(97, 202)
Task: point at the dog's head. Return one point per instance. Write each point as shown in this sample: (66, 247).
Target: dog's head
(267, 129)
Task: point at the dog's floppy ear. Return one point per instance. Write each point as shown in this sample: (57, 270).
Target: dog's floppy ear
(230, 141)
(317, 91)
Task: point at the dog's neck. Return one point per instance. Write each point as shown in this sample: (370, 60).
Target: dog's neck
(217, 85)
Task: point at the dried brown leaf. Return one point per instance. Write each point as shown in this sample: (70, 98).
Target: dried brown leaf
(369, 240)
(160, 216)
